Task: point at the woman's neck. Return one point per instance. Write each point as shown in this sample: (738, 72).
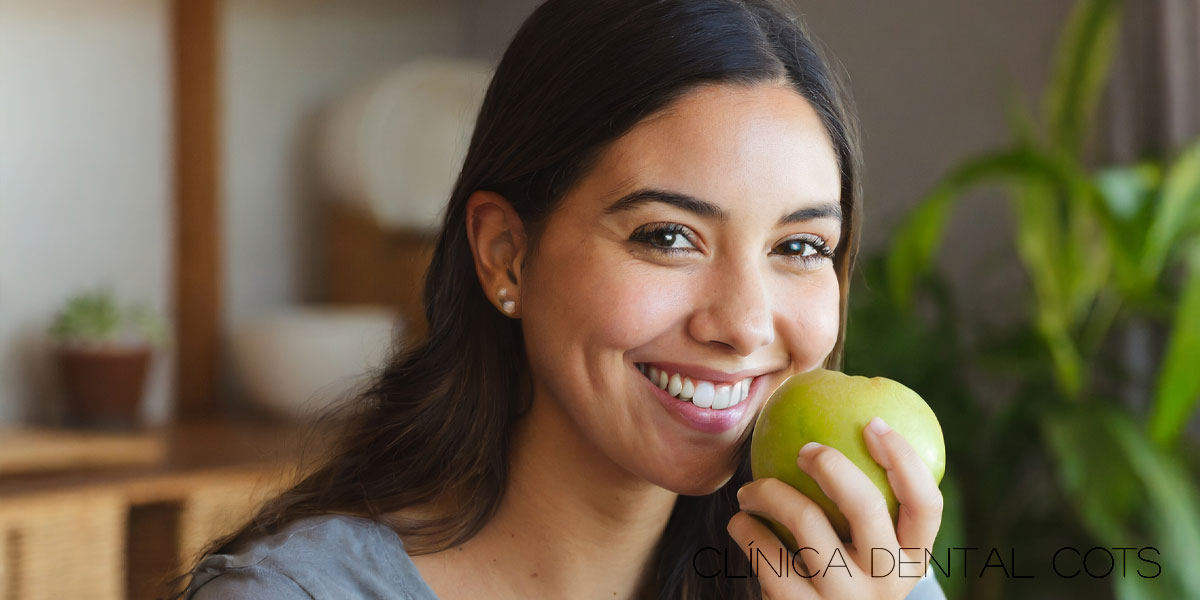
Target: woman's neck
(572, 523)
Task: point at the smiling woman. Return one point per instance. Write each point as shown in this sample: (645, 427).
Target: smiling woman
(653, 228)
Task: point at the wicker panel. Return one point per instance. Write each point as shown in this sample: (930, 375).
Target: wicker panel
(63, 545)
(217, 505)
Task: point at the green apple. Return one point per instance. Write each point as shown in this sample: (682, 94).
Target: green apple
(832, 408)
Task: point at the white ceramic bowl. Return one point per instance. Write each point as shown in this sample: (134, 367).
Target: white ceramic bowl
(297, 362)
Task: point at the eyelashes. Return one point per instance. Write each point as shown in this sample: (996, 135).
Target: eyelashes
(663, 237)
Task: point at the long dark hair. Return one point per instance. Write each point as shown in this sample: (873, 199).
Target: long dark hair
(430, 437)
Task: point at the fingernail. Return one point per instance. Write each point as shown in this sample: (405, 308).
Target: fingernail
(808, 448)
(878, 427)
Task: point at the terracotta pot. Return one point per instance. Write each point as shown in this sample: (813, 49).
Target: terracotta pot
(103, 385)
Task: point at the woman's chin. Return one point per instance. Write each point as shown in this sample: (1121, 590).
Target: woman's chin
(697, 486)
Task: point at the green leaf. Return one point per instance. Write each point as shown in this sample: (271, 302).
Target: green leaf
(1176, 207)
(1178, 387)
(1127, 190)
(1129, 493)
(1130, 195)
(1173, 505)
(1081, 69)
(88, 317)
(920, 234)
(1096, 475)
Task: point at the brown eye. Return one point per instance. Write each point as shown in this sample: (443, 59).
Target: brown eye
(798, 248)
(664, 238)
(807, 250)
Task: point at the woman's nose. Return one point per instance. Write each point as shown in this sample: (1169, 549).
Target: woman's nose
(734, 311)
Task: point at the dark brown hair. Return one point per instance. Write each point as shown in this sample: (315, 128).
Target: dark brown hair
(430, 437)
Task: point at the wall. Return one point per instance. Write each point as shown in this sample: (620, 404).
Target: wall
(930, 78)
(84, 188)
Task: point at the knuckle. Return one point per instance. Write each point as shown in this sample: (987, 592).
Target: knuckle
(929, 505)
(936, 503)
(824, 460)
(809, 515)
(904, 451)
(751, 490)
(873, 507)
(773, 486)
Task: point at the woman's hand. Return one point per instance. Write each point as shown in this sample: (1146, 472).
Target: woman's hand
(822, 572)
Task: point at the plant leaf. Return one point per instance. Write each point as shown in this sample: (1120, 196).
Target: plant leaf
(1173, 506)
(1097, 477)
(1126, 489)
(1180, 195)
(1081, 69)
(1130, 193)
(1178, 387)
(920, 234)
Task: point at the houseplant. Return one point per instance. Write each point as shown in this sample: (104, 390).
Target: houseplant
(103, 353)
(1065, 455)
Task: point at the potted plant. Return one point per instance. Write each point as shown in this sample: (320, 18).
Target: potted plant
(1065, 456)
(103, 352)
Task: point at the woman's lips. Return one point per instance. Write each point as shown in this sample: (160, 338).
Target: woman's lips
(705, 420)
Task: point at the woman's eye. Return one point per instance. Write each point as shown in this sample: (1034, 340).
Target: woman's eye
(806, 250)
(799, 247)
(671, 238)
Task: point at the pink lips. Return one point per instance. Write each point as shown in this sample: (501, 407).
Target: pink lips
(705, 420)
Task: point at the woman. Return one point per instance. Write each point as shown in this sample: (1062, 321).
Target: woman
(655, 190)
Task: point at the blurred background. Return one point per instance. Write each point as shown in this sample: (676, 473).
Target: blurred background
(215, 217)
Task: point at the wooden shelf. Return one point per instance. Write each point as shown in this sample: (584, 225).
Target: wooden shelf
(103, 530)
(42, 450)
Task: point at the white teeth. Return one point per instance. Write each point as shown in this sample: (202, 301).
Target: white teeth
(674, 386)
(705, 394)
(722, 398)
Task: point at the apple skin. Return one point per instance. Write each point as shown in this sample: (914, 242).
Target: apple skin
(831, 408)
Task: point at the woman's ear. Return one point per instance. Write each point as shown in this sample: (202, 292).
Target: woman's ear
(498, 242)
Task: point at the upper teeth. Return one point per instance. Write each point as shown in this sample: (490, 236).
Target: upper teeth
(704, 394)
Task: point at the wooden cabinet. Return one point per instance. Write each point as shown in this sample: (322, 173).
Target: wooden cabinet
(121, 532)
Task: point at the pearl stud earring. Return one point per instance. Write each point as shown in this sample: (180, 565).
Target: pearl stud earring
(506, 305)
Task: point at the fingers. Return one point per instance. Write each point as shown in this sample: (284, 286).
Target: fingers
(920, 499)
(763, 549)
(855, 496)
(834, 570)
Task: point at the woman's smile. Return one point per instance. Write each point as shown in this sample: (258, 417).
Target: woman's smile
(714, 404)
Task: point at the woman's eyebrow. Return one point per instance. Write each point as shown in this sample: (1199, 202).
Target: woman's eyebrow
(709, 210)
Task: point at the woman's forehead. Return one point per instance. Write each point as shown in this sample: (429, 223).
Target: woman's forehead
(727, 144)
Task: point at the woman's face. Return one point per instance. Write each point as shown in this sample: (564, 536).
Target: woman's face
(700, 247)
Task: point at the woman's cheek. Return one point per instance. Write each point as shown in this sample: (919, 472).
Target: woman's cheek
(814, 321)
(639, 306)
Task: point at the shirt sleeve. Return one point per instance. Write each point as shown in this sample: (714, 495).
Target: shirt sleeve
(927, 588)
(244, 583)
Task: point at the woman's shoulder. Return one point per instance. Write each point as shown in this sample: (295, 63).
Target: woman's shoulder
(327, 556)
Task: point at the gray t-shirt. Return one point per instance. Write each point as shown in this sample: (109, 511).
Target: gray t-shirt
(339, 557)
